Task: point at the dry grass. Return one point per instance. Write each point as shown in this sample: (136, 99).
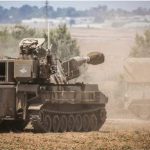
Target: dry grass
(109, 137)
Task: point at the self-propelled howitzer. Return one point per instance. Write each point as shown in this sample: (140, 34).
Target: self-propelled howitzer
(34, 87)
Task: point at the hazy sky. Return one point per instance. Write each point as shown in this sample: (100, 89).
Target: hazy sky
(128, 5)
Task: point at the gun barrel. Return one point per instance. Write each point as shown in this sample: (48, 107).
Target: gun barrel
(93, 58)
(81, 60)
(71, 67)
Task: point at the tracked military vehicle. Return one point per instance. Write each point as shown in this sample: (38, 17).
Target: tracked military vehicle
(35, 88)
(137, 87)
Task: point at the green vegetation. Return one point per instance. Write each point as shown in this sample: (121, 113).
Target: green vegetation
(11, 36)
(142, 45)
(19, 32)
(62, 43)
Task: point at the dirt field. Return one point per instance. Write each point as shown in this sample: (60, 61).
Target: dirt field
(121, 130)
(115, 134)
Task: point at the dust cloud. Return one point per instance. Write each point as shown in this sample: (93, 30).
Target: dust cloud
(116, 44)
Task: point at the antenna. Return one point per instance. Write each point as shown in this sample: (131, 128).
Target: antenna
(47, 23)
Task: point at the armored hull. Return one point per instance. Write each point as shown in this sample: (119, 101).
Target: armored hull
(53, 108)
(77, 107)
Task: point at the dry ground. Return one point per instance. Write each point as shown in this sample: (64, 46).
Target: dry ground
(115, 134)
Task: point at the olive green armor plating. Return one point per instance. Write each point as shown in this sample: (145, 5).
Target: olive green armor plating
(35, 88)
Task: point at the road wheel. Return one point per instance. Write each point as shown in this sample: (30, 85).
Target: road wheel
(63, 123)
(85, 122)
(71, 123)
(102, 115)
(56, 123)
(93, 122)
(47, 123)
(78, 123)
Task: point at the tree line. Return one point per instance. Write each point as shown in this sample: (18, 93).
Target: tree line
(100, 13)
(60, 38)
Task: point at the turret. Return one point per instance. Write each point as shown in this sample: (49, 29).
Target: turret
(38, 64)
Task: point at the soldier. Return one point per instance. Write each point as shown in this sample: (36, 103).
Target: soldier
(32, 48)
